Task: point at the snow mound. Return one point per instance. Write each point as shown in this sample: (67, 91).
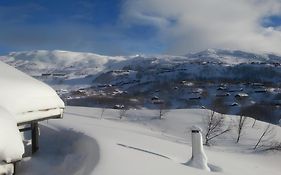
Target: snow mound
(11, 147)
(6, 169)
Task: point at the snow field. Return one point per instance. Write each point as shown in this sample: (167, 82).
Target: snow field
(140, 144)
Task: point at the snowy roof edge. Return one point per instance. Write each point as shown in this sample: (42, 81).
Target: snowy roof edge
(27, 98)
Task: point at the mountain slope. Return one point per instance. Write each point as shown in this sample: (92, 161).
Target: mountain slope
(76, 63)
(35, 62)
(205, 79)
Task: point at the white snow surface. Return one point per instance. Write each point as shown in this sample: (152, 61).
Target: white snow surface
(6, 169)
(11, 145)
(25, 97)
(139, 144)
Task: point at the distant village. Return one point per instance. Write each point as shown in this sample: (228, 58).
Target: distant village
(228, 98)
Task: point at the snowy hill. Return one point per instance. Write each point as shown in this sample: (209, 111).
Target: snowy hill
(43, 61)
(141, 144)
(234, 56)
(194, 80)
(74, 63)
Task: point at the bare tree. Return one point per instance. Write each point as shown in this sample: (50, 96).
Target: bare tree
(252, 111)
(162, 109)
(122, 112)
(266, 136)
(241, 126)
(218, 105)
(256, 111)
(254, 123)
(215, 126)
(102, 112)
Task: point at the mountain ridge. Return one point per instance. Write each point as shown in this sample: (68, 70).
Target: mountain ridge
(44, 55)
(191, 81)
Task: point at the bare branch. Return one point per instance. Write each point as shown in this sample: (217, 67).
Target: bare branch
(241, 126)
(102, 112)
(215, 126)
(266, 136)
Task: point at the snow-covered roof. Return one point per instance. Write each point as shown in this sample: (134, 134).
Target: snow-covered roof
(242, 95)
(25, 97)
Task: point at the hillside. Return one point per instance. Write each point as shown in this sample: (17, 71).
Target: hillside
(224, 80)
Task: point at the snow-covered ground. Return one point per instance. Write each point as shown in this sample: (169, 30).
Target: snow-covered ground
(139, 143)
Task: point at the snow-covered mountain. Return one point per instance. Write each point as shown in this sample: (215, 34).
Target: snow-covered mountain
(234, 56)
(74, 63)
(77, 64)
(43, 61)
(192, 80)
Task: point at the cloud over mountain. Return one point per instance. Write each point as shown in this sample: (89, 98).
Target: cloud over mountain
(115, 27)
(192, 25)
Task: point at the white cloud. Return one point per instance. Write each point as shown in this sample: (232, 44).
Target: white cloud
(192, 25)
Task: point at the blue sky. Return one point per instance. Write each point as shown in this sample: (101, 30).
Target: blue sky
(122, 27)
(87, 25)
(273, 21)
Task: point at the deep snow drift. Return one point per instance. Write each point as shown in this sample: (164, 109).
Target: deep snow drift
(11, 146)
(84, 143)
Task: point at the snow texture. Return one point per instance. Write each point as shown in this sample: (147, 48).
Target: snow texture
(25, 97)
(139, 144)
(11, 145)
(6, 169)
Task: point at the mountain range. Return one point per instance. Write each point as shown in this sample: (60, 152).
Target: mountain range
(212, 78)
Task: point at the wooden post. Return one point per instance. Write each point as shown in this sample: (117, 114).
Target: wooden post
(34, 136)
(15, 168)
